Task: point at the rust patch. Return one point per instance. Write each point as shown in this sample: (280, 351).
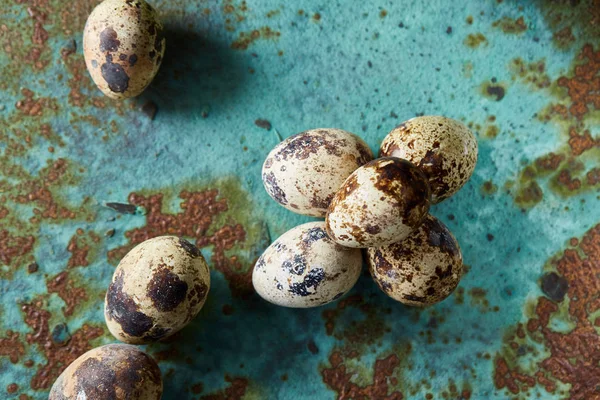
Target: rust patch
(474, 40)
(510, 25)
(72, 295)
(236, 390)
(581, 143)
(11, 347)
(573, 357)
(246, 39)
(58, 356)
(338, 378)
(584, 86)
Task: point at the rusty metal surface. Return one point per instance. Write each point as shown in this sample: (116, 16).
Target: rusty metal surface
(237, 77)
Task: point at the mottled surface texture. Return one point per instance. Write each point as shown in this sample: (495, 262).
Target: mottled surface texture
(123, 46)
(110, 372)
(305, 268)
(157, 289)
(421, 270)
(381, 203)
(304, 172)
(236, 76)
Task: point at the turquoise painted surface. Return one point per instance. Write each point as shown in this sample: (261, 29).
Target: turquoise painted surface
(360, 66)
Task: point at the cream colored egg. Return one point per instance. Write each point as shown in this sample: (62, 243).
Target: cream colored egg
(114, 371)
(444, 149)
(421, 270)
(382, 202)
(157, 289)
(123, 46)
(303, 172)
(305, 268)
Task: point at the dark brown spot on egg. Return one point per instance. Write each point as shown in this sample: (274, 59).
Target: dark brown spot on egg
(381, 264)
(166, 289)
(373, 229)
(95, 380)
(365, 154)
(122, 56)
(121, 308)
(440, 237)
(108, 40)
(411, 297)
(406, 184)
(114, 75)
(132, 60)
(432, 164)
(443, 273)
(312, 280)
(189, 248)
(197, 294)
(273, 189)
(347, 188)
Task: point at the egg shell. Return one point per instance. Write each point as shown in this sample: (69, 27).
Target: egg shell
(113, 371)
(123, 46)
(381, 203)
(157, 288)
(444, 149)
(303, 172)
(305, 268)
(423, 269)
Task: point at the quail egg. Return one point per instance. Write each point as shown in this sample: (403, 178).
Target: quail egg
(443, 148)
(382, 202)
(114, 371)
(305, 268)
(421, 270)
(123, 46)
(303, 172)
(157, 288)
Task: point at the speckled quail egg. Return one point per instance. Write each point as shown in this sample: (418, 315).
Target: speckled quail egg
(305, 268)
(157, 288)
(123, 46)
(444, 149)
(303, 172)
(114, 371)
(381, 203)
(421, 270)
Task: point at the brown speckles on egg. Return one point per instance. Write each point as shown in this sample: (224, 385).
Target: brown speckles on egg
(423, 269)
(305, 268)
(114, 371)
(309, 167)
(379, 204)
(113, 32)
(158, 287)
(443, 148)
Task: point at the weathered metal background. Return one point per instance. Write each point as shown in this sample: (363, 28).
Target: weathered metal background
(238, 76)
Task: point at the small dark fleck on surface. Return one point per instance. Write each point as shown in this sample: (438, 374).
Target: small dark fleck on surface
(490, 237)
(312, 347)
(497, 91)
(263, 123)
(109, 233)
(123, 208)
(449, 30)
(33, 267)
(554, 286)
(150, 109)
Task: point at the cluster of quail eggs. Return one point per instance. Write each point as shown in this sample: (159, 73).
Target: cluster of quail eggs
(376, 206)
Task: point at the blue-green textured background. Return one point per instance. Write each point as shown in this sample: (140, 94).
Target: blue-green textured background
(525, 75)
